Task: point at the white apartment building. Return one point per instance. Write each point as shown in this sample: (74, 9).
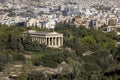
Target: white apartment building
(33, 22)
(49, 24)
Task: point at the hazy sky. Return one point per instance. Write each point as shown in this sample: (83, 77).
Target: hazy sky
(2, 0)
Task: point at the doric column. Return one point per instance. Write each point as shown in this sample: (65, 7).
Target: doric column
(55, 41)
(52, 41)
(58, 41)
(49, 41)
(62, 40)
(46, 41)
(32, 38)
(37, 39)
(41, 40)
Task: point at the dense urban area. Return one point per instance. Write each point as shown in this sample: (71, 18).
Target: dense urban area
(59, 39)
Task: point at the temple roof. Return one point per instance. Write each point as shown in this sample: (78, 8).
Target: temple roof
(33, 32)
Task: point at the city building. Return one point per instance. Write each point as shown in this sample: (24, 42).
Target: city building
(71, 10)
(42, 9)
(33, 22)
(112, 22)
(49, 24)
(111, 28)
(51, 39)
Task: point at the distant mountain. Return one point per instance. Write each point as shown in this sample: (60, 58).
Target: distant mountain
(48, 2)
